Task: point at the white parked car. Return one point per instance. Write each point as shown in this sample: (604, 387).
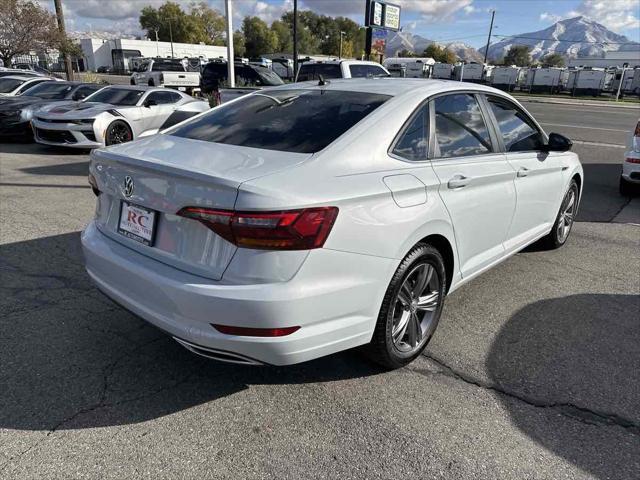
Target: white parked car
(312, 70)
(112, 115)
(12, 85)
(630, 177)
(304, 220)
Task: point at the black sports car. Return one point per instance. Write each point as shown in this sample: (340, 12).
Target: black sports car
(16, 112)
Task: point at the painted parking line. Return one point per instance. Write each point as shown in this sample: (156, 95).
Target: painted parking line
(598, 144)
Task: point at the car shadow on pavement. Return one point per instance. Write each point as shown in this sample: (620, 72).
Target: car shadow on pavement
(28, 147)
(72, 359)
(601, 201)
(578, 357)
(76, 169)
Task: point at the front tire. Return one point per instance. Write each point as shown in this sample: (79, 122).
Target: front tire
(411, 308)
(559, 234)
(118, 132)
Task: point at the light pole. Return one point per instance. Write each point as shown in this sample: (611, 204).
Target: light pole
(624, 67)
(341, 35)
(295, 38)
(231, 75)
(486, 50)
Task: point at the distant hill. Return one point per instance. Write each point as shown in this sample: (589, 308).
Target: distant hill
(399, 41)
(573, 37)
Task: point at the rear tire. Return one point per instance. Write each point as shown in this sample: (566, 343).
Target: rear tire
(411, 308)
(118, 132)
(559, 234)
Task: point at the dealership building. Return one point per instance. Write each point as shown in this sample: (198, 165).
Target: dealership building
(117, 53)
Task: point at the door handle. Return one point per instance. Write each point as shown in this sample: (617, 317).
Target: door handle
(523, 172)
(458, 181)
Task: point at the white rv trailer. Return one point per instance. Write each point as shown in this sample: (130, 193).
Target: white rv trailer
(586, 81)
(410, 67)
(505, 78)
(471, 72)
(542, 80)
(630, 82)
(442, 71)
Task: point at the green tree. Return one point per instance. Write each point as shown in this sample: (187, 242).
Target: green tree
(440, 54)
(25, 26)
(172, 22)
(519, 55)
(259, 38)
(406, 53)
(239, 48)
(553, 60)
(209, 21)
(284, 34)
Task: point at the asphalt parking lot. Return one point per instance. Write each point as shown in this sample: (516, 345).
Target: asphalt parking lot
(534, 372)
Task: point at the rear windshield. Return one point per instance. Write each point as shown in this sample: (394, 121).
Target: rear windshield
(167, 67)
(116, 96)
(310, 71)
(49, 90)
(301, 121)
(9, 84)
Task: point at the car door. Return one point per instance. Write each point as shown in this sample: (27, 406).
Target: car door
(476, 181)
(157, 107)
(538, 174)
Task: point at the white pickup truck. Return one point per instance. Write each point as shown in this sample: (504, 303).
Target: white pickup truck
(170, 73)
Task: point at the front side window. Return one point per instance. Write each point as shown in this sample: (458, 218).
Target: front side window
(49, 90)
(9, 84)
(518, 132)
(84, 92)
(302, 121)
(29, 85)
(460, 128)
(412, 143)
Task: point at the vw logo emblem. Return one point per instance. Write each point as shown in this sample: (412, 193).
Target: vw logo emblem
(127, 187)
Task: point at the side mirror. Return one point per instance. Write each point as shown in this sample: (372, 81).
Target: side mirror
(557, 143)
(150, 103)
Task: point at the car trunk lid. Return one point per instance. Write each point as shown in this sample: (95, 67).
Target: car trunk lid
(169, 173)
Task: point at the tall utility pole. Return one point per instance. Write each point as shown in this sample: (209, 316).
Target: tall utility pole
(231, 74)
(171, 37)
(295, 38)
(63, 33)
(342, 34)
(486, 50)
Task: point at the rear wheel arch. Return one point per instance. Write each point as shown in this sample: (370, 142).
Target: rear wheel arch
(443, 245)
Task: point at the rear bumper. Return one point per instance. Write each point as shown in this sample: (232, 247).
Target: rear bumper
(631, 171)
(335, 298)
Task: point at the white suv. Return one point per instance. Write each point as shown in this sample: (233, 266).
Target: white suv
(340, 69)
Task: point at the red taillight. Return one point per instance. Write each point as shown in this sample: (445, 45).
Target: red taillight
(632, 160)
(288, 230)
(255, 332)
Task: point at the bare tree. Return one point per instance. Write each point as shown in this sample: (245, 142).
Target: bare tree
(24, 26)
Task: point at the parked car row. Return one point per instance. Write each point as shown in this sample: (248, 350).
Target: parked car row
(85, 115)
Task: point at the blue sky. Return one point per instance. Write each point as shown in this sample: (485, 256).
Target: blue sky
(443, 20)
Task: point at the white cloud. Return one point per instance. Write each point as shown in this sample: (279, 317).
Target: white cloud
(434, 10)
(469, 9)
(614, 14)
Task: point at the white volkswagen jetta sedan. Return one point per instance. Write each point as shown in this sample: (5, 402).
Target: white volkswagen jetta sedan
(308, 219)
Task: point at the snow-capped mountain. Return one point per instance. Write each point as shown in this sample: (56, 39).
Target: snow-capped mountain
(415, 43)
(572, 37)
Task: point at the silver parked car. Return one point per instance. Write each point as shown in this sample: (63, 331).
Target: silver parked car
(112, 115)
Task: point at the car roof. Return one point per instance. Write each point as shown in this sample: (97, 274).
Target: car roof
(338, 62)
(392, 86)
(134, 87)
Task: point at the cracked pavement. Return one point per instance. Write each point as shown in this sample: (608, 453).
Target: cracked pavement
(534, 372)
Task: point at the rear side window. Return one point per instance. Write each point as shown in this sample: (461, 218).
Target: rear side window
(359, 71)
(412, 143)
(311, 71)
(460, 127)
(518, 132)
(163, 98)
(302, 121)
